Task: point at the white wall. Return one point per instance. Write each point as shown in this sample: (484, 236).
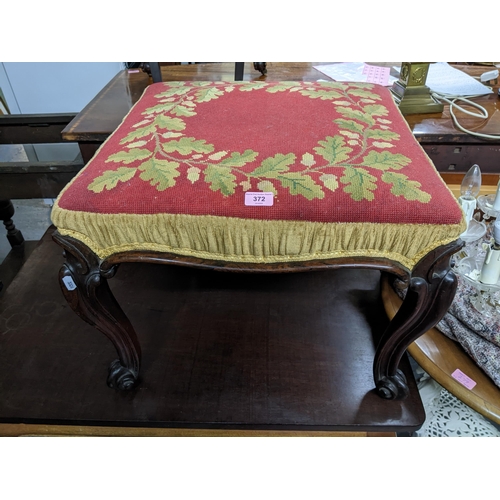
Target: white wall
(33, 88)
(53, 87)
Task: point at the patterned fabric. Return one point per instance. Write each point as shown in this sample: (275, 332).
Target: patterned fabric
(329, 152)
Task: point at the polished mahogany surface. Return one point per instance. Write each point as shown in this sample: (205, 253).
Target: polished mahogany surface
(106, 111)
(108, 108)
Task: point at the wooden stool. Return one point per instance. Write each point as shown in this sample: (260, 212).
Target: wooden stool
(262, 178)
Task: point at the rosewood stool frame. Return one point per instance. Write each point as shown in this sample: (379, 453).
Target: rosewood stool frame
(431, 288)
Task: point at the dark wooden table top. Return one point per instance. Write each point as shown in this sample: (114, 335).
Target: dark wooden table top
(287, 352)
(106, 111)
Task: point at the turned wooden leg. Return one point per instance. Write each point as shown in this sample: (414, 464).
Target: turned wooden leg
(430, 293)
(14, 236)
(86, 289)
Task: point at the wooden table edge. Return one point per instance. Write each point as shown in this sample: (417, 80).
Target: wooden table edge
(26, 430)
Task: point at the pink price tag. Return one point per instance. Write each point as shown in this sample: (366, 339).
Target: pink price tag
(461, 377)
(377, 74)
(259, 199)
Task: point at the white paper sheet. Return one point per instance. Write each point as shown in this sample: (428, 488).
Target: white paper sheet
(444, 79)
(347, 72)
(441, 78)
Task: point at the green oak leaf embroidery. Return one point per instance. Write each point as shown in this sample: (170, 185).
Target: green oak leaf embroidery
(197, 84)
(334, 85)
(273, 166)
(139, 133)
(137, 144)
(129, 156)
(249, 86)
(284, 87)
(169, 123)
(207, 94)
(173, 91)
(161, 121)
(350, 125)
(365, 93)
(356, 114)
(401, 186)
(376, 110)
(158, 108)
(333, 149)
(171, 135)
(161, 174)
(187, 145)
(182, 110)
(359, 183)
(324, 95)
(385, 135)
(382, 145)
(385, 160)
(362, 144)
(111, 178)
(298, 183)
(237, 159)
(220, 179)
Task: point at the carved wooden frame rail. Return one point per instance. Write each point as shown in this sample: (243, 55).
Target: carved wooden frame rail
(431, 289)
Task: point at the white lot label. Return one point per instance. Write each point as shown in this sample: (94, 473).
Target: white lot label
(69, 283)
(259, 199)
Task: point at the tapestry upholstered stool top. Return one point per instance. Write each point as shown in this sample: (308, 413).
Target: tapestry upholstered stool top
(250, 174)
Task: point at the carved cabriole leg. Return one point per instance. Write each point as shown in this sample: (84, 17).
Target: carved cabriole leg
(430, 293)
(86, 289)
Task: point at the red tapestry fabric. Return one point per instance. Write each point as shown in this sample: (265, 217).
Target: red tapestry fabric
(328, 151)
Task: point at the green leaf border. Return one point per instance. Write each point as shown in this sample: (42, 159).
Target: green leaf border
(361, 125)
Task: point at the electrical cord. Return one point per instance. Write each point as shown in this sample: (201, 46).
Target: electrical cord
(452, 99)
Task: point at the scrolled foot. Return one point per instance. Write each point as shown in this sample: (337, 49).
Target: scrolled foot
(394, 387)
(121, 378)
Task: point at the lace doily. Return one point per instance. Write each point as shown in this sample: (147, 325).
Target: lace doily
(447, 416)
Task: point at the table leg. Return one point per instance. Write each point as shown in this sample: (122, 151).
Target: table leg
(85, 287)
(14, 236)
(429, 295)
(239, 69)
